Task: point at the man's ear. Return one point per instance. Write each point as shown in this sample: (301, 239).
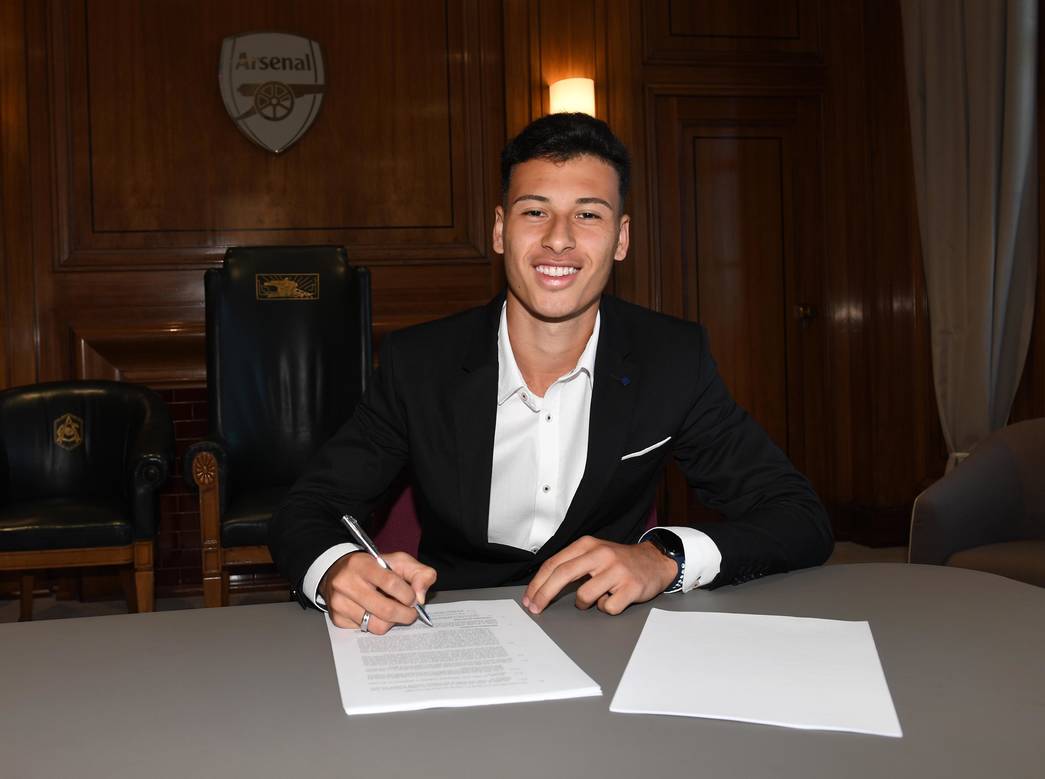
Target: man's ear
(623, 238)
(498, 230)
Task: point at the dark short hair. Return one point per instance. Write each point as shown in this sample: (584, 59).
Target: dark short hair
(562, 137)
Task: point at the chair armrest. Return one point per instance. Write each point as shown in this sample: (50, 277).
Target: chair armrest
(200, 471)
(979, 502)
(149, 462)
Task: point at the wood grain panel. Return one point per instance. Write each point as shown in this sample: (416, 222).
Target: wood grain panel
(18, 334)
(734, 19)
(151, 171)
(740, 260)
(741, 30)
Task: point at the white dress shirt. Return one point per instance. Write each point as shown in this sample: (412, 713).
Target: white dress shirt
(540, 450)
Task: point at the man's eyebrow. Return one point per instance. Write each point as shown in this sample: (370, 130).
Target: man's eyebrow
(579, 201)
(594, 201)
(541, 198)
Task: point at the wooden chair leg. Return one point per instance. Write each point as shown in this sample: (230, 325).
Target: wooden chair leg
(25, 613)
(211, 592)
(143, 581)
(205, 474)
(129, 589)
(144, 590)
(225, 588)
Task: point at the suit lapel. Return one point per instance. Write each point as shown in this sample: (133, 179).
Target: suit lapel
(612, 403)
(475, 417)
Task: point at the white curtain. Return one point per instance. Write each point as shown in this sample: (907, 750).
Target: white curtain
(971, 76)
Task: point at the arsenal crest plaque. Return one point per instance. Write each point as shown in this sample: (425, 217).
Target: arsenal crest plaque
(272, 84)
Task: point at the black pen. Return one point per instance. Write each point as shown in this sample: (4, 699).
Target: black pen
(357, 530)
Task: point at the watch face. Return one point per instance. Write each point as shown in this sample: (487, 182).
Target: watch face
(667, 543)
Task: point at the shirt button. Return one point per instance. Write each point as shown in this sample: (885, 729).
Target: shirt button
(549, 417)
(535, 549)
(545, 488)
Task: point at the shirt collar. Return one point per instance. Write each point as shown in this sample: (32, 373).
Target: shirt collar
(509, 378)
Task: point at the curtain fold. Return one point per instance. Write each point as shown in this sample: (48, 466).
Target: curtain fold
(971, 84)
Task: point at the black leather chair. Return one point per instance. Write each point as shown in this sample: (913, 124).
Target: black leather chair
(988, 513)
(288, 357)
(82, 463)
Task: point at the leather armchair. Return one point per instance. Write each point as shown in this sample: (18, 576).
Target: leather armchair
(288, 357)
(988, 513)
(81, 464)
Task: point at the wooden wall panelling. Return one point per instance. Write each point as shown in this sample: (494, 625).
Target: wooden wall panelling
(884, 433)
(634, 279)
(18, 335)
(731, 30)
(904, 423)
(156, 164)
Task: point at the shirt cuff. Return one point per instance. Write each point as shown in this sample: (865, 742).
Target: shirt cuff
(703, 558)
(318, 569)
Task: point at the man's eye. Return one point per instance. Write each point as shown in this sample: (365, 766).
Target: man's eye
(533, 212)
(588, 215)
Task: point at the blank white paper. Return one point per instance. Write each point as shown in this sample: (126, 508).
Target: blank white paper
(795, 672)
(478, 653)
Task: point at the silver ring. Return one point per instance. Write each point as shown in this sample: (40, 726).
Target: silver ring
(364, 624)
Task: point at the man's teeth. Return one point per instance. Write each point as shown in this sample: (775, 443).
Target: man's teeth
(556, 270)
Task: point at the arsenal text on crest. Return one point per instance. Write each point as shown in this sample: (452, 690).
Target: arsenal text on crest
(247, 62)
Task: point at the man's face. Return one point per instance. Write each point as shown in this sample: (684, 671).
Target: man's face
(560, 231)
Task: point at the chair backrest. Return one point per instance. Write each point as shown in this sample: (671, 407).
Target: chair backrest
(996, 494)
(288, 355)
(66, 439)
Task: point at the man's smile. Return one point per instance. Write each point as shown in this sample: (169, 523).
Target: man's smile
(556, 270)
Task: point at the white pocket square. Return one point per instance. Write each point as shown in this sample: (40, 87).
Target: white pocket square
(647, 449)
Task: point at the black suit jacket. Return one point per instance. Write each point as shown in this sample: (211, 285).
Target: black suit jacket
(432, 407)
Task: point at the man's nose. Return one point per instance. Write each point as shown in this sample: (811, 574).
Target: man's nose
(559, 237)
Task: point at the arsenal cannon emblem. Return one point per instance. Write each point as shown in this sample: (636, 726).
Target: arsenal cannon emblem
(272, 84)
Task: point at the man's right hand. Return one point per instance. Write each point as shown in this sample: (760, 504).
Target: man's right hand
(356, 583)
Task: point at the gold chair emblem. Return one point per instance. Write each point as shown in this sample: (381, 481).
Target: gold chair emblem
(287, 286)
(68, 431)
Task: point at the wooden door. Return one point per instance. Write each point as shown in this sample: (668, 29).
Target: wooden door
(740, 242)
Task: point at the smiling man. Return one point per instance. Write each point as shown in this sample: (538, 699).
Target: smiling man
(536, 428)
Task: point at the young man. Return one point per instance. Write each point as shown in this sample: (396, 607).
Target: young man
(536, 428)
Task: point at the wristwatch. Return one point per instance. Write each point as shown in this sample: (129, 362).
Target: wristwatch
(670, 545)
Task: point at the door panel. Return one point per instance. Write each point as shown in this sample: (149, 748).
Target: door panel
(741, 252)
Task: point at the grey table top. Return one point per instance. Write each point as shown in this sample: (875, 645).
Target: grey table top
(251, 691)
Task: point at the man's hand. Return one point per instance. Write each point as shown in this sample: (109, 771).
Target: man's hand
(620, 574)
(356, 583)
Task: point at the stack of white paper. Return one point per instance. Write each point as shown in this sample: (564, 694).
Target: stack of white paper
(479, 652)
(796, 672)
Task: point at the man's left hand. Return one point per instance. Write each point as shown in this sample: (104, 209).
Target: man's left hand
(619, 575)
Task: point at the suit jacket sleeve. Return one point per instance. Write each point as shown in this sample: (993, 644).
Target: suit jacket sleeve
(349, 474)
(774, 520)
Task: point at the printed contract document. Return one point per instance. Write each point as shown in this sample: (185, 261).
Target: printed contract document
(816, 674)
(478, 653)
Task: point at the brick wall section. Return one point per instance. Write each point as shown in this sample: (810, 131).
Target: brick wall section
(178, 568)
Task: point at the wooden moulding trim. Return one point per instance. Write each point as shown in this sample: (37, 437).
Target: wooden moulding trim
(154, 353)
(400, 253)
(246, 555)
(69, 558)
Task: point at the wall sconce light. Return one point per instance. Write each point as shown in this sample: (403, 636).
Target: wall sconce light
(572, 94)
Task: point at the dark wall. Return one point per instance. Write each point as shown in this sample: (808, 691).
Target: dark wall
(773, 199)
